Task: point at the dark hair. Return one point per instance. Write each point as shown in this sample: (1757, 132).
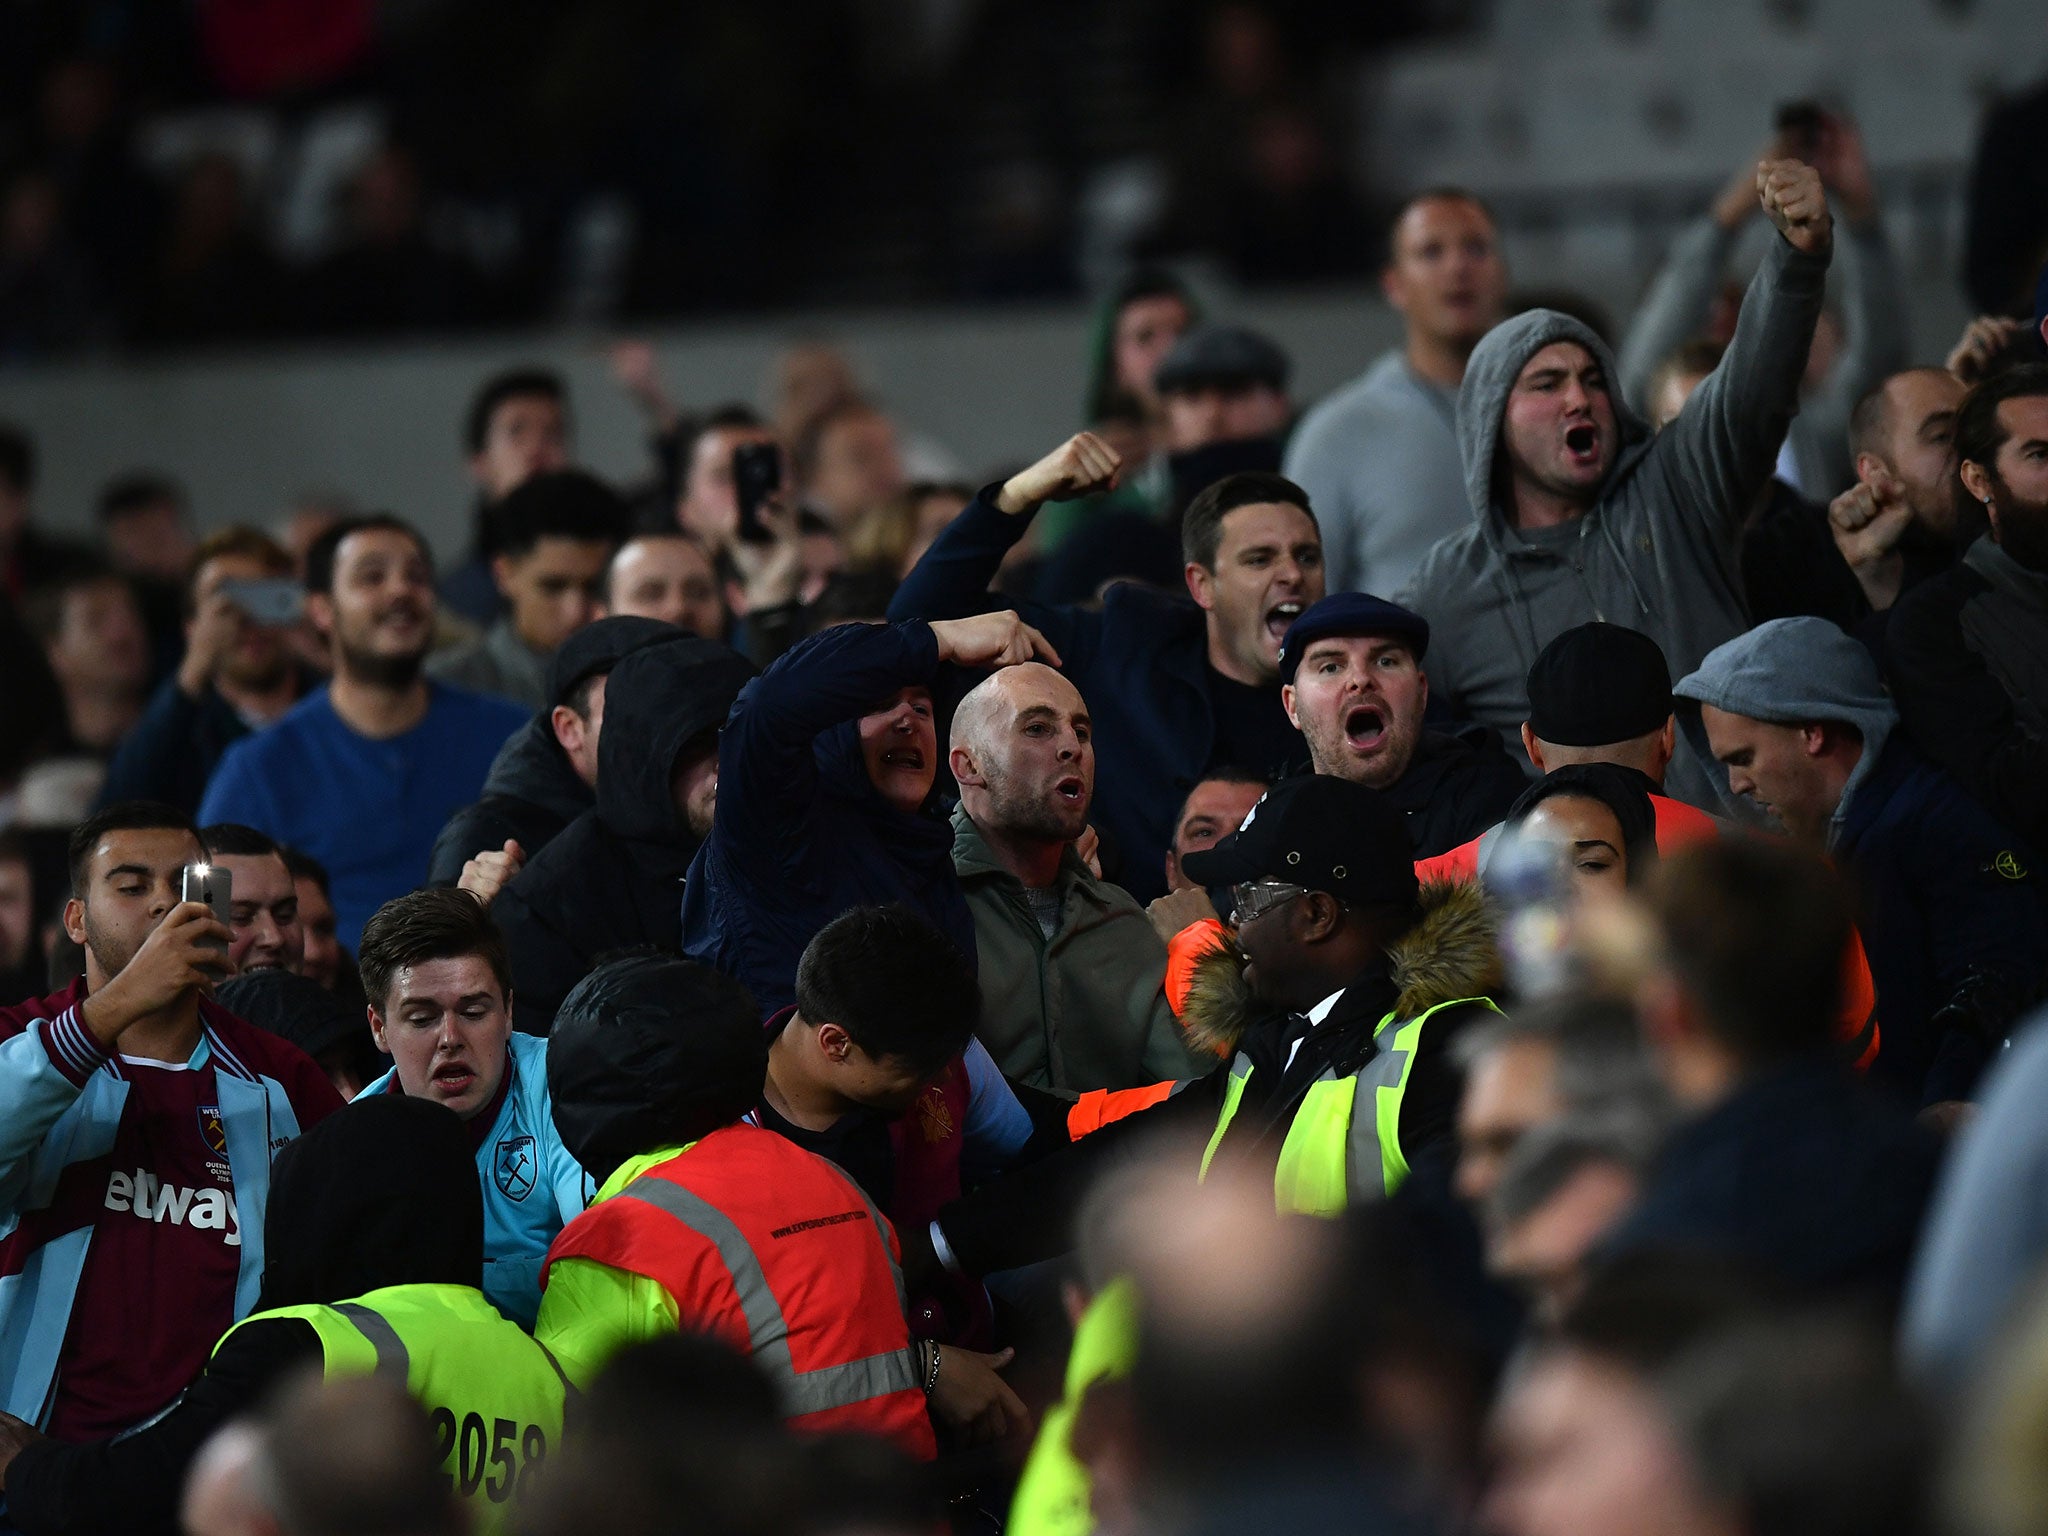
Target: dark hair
(1755, 932)
(513, 384)
(726, 418)
(235, 539)
(1620, 789)
(138, 493)
(237, 841)
(1201, 528)
(851, 597)
(1223, 773)
(1980, 434)
(560, 504)
(1645, 1310)
(17, 459)
(305, 867)
(42, 611)
(893, 982)
(1443, 193)
(1870, 420)
(444, 924)
(1106, 399)
(321, 554)
(123, 816)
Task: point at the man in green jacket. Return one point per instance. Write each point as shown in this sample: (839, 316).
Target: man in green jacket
(1071, 968)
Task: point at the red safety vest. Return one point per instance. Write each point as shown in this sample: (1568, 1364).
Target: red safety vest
(775, 1251)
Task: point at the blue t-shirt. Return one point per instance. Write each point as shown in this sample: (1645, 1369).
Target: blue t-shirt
(368, 810)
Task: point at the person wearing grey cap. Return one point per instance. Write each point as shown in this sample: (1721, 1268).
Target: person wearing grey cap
(545, 776)
(1337, 1004)
(1579, 513)
(1951, 907)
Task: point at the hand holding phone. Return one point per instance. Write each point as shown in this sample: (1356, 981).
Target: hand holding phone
(756, 477)
(274, 600)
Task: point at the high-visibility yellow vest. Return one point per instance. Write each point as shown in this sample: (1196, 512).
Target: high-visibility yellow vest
(1344, 1144)
(1052, 1496)
(495, 1398)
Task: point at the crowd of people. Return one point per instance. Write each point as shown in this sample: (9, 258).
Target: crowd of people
(1466, 959)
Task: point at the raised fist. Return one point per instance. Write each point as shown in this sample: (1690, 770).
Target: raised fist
(1793, 197)
(1081, 466)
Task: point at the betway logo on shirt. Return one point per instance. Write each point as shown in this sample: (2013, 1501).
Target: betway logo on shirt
(150, 1198)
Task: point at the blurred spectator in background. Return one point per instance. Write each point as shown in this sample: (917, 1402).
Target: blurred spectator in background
(1560, 1192)
(668, 575)
(1379, 457)
(2006, 230)
(48, 305)
(213, 280)
(708, 505)
(543, 777)
(364, 772)
(325, 961)
(92, 632)
(1952, 913)
(146, 525)
(237, 673)
(847, 462)
(555, 533)
(1135, 328)
(1848, 356)
(517, 426)
(1967, 651)
(389, 273)
(29, 557)
(893, 536)
(22, 967)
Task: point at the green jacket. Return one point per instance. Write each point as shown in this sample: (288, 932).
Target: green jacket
(1083, 1009)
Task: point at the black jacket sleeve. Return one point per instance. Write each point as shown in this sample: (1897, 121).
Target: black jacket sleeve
(1028, 1214)
(132, 1483)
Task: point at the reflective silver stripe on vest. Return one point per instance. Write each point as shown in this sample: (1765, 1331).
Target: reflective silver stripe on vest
(830, 1386)
(392, 1357)
(1365, 1168)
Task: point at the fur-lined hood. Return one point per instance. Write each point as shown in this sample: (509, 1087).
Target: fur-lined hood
(1452, 952)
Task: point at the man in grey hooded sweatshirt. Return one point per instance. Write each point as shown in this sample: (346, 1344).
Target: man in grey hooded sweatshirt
(1581, 514)
(1950, 906)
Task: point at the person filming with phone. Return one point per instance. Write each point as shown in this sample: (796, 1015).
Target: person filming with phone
(238, 673)
(138, 1119)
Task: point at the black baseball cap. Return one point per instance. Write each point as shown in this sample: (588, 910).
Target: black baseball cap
(1350, 613)
(1319, 832)
(1221, 355)
(598, 647)
(1596, 685)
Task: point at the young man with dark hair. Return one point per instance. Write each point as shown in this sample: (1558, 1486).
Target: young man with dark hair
(1176, 688)
(237, 675)
(140, 1120)
(516, 426)
(1213, 809)
(263, 902)
(876, 1067)
(556, 533)
(363, 773)
(93, 636)
(707, 506)
(1785, 1161)
(1963, 651)
(440, 993)
(1379, 456)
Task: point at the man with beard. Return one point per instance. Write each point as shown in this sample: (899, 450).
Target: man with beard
(1351, 678)
(1897, 525)
(237, 675)
(1967, 651)
(363, 773)
(1070, 967)
(1949, 903)
(1178, 688)
(139, 1122)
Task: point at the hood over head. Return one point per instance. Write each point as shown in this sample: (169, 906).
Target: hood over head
(659, 699)
(294, 1008)
(1483, 398)
(383, 1193)
(532, 767)
(649, 1051)
(1796, 671)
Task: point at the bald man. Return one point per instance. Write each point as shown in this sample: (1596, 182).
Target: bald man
(1070, 967)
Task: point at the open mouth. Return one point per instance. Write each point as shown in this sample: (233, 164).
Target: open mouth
(1365, 729)
(1582, 442)
(1280, 617)
(453, 1079)
(1069, 788)
(907, 758)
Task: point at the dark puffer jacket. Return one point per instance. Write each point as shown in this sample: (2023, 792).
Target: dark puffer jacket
(613, 879)
(801, 835)
(531, 794)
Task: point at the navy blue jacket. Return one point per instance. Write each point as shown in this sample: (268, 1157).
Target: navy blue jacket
(1804, 1174)
(800, 835)
(172, 749)
(1952, 918)
(1140, 660)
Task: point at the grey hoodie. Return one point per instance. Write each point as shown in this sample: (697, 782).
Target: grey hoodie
(1796, 671)
(1657, 551)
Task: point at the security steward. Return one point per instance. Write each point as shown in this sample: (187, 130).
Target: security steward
(375, 1236)
(704, 1223)
(1335, 1007)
